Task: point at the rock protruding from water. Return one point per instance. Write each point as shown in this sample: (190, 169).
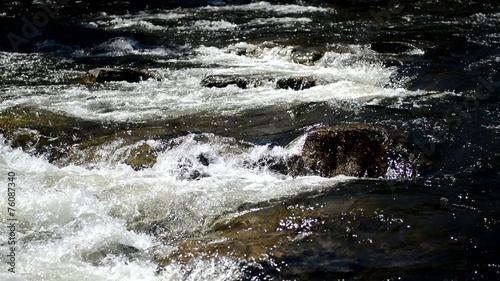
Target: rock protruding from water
(306, 55)
(359, 151)
(295, 83)
(142, 156)
(252, 81)
(352, 150)
(294, 51)
(222, 81)
(101, 75)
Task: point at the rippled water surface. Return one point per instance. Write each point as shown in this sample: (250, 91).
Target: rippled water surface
(167, 179)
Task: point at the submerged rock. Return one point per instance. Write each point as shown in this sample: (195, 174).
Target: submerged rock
(250, 81)
(41, 132)
(332, 233)
(140, 157)
(256, 235)
(108, 252)
(101, 75)
(65, 139)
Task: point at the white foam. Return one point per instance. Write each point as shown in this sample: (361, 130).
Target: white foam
(11, 277)
(345, 76)
(287, 21)
(73, 211)
(80, 210)
(268, 7)
(492, 19)
(214, 25)
(139, 20)
(121, 46)
(133, 23)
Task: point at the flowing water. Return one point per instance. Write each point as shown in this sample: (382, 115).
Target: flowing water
(85, 212)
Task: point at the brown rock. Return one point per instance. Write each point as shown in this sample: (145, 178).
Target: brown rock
(143, 156)
(332, 233)
(358, 150)
(306, 55)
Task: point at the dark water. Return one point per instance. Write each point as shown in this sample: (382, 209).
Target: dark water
(425, 70)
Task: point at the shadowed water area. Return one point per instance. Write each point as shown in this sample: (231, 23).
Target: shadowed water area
(248, 140)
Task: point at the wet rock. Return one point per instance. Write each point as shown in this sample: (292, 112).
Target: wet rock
(332, 233)
(222, 81)
(296, 83)
(352, 150)
(359, 151)
(306, 55)
(390, 47)
(99, 256)
(70, 140)
(244, 82)
(245, 50)
(273, 163)
(204, 159)
(143, 156)
(101, 75)
(391, 63)
(41, 132)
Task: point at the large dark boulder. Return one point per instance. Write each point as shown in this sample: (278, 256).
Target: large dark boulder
(359, 151)
(352, 150)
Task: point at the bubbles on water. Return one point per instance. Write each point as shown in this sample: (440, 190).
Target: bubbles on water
(286, 21)
(12, 277)
(214, 25)
(222, 269)
(100, 222)
(268, 7)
